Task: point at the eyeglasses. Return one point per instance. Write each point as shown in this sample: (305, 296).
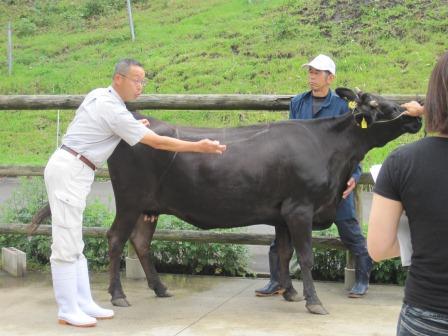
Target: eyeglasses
(136, 82)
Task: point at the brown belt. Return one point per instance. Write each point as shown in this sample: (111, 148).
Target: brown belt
(79, 156)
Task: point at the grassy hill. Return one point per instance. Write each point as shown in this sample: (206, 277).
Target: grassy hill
(213, 46)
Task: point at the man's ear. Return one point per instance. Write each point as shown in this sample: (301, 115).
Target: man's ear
(346, 94)
(117, 78)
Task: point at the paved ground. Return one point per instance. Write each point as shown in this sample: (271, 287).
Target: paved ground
(201, 306)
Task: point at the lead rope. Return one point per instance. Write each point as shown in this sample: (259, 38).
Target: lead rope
(378, 121)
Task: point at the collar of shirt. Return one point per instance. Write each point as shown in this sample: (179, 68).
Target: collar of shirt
(116, 95)
(326, 102)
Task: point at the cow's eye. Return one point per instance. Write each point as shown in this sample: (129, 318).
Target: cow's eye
(381, 115)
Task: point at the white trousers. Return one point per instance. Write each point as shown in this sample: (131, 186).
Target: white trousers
(68, 181)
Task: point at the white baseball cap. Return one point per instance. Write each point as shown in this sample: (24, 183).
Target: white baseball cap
(322, 62)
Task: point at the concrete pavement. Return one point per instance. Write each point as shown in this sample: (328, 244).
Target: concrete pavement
(201, 305)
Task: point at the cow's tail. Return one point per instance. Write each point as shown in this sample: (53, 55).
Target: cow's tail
(38, 218)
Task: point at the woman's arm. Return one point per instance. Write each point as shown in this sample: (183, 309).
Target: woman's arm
(382, 240)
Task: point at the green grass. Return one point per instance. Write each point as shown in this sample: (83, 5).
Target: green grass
(213, 46)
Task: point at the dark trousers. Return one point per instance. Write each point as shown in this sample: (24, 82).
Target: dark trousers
(351, 235)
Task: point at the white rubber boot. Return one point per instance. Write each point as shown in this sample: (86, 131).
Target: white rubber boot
(64, 286)
(85, 299)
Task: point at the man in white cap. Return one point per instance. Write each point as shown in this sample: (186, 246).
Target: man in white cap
(321, 102)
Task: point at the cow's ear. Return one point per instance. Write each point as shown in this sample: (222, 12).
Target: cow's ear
(346, 94)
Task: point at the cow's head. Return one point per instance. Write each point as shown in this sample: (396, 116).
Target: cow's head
(369, 109)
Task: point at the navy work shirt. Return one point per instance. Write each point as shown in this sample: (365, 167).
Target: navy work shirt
(301, 107)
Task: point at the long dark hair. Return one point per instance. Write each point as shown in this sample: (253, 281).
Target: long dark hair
(436, 104)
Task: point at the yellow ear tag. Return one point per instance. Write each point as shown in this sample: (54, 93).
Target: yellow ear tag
(352, 105)
(363, 123)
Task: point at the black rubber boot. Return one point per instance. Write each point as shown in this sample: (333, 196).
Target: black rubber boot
(272, 287)
(362, 273)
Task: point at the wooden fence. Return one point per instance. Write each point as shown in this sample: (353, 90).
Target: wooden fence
(190, 235)
(175, 102)
(184, 235)
(173, 235)
(169, 102)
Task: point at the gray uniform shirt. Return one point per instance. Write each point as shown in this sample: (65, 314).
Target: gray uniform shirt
(101, 121)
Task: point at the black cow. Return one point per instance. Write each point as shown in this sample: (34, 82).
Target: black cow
(288, 174)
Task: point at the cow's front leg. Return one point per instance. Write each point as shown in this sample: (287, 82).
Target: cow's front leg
(285, 251)
(118, 234)
(299, 222)
(141, 240)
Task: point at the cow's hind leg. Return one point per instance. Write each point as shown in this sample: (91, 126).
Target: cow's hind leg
(118, 235)
(141, 240)
(285, 251)
(299, 222)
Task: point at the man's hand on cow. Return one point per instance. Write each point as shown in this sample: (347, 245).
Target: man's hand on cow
(351, 184)
(211, 146)
(145, 122)
(413, 108)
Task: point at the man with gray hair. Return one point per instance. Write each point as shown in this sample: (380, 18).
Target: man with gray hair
(100, 123)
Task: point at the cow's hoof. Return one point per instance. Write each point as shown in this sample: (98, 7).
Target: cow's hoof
(292, 295)
(120, 302)
(316, 309)
(163, 294)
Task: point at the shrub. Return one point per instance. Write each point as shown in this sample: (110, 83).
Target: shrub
(284, 27)
(179, 257)
(93, 8)
(97, 8)
(198, 258)
(24, 27)
(25, 201)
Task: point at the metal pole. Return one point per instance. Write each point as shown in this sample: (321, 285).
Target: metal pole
(9, 48)
(131, 21)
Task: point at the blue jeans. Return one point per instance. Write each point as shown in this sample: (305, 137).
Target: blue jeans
(351, 235)
(420, 322)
